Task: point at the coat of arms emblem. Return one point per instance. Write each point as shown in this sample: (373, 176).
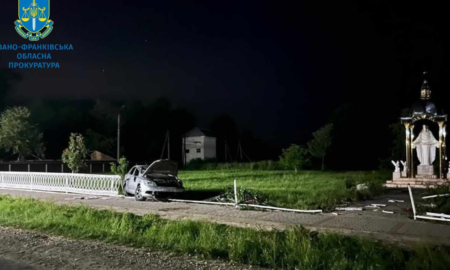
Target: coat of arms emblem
(34, 19)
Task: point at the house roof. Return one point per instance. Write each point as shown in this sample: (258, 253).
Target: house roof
(198, 132)
(97, 155)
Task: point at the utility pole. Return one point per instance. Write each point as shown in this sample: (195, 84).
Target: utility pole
(166, 141)
(118, 133)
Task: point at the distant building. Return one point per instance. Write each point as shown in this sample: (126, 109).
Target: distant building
(198, 143)
(97, 155)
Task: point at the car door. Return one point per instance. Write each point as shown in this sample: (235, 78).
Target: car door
(127, 180)
(133, 180)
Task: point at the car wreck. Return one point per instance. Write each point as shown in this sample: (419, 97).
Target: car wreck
(158, 180)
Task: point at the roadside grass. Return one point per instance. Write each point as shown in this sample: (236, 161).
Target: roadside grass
(302, 190)
(291, 249)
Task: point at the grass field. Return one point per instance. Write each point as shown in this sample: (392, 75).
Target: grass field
(290, 249)
(302, 190)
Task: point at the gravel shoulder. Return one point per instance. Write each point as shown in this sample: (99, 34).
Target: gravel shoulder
(22, 249)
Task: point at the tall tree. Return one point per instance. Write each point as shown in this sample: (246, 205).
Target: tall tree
(75, 155)
(19, 135)
(321, 143)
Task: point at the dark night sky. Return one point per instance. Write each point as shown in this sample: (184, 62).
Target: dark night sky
(277, 68)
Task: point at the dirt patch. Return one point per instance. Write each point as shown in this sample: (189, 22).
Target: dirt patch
(21, 249)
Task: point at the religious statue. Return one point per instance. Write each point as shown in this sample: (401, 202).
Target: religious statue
(397, 166)
(425, 146)
(404, 165)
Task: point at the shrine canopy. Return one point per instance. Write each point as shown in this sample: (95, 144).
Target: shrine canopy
(425, 108)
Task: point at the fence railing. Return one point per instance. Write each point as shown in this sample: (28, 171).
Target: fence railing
(94, 184)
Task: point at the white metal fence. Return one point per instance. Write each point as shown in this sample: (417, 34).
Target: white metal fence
(64, 182)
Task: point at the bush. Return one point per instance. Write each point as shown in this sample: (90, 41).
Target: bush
(294, 158)
(121, 169)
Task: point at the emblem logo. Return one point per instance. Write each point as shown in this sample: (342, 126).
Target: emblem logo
(34, 19)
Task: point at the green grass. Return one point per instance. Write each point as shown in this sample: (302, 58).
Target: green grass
(302, 190)
(290, 249)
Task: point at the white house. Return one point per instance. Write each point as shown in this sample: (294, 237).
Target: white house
(198, 143)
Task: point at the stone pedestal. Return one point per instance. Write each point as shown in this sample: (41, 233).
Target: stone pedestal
(396, 175)
(403, 174)
(425, 170)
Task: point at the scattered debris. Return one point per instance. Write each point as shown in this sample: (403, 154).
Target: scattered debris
(435, 196)
(393, 201)
(375, 205)
(429, 217)
(335, 214)
(387, 212)
(349, 209)
(81, 198)
(107, 198)
(378, 205)
(376, 210)
(444, 216)
(362, 187)
(431, 205)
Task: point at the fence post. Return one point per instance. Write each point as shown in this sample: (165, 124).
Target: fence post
(9, 167)
(235, 194)
(113, 180)
(46, 167)
(67, 184)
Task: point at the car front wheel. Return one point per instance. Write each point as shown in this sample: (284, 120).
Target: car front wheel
(138, 194)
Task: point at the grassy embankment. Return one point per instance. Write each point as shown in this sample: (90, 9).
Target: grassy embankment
(291, 249)
(302, 190)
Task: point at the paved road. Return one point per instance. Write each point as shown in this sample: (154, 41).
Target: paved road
(393, 227)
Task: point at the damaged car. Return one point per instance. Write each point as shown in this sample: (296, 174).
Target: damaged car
(158, 180)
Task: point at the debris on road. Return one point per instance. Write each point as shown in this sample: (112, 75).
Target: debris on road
(431, 205)
(444, 216)
(394, 201)
(375, 205)
(335, 214)
(81, 198)
(349, 209)
(435, 196)
(388, 212)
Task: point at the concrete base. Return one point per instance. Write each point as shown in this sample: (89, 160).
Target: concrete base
(425, 170)
(403, 174)
(415, 183)
(396, 175)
